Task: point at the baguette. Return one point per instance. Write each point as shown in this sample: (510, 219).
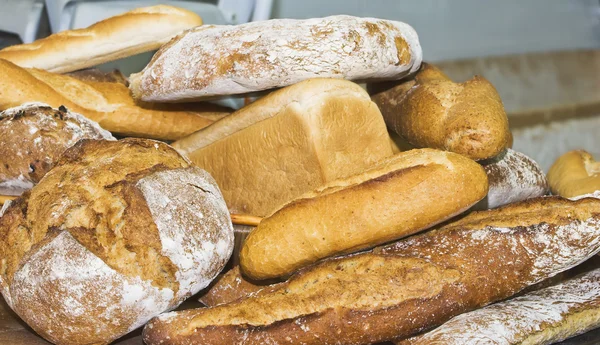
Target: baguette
(417, 189)
(433, 111)
(404, 288)
(541, 317)
(290, 142)
(137, 31)
(108, 104)
(574, 173)
(210, 60)
(512, 177)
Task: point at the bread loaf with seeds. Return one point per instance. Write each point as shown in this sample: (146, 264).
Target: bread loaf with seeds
(399, 290)
(116, 233)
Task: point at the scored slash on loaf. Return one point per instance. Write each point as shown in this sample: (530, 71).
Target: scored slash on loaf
(210, 61)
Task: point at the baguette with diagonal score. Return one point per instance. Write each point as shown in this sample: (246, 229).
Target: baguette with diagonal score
(137, 31)
(399, 290)
(395, 198)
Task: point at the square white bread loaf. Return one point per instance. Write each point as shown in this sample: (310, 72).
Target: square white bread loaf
(290, 142)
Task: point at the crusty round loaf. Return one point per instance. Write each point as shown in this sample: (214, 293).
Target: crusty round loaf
(209, 60)
(431, 110)
(574, 173)
(116, 233)
(512, 177)
(137, 31)
(32, 137)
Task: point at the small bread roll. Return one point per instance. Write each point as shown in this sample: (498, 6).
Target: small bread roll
(574, 173)
(115, 234)
(32, 137)
(433, 111)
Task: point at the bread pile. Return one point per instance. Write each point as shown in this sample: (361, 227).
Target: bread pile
(337, 233)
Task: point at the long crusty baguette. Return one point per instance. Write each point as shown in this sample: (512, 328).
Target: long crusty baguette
(512, 177)
(109, 104)
(541, 317)
(397, 197)
(137, 31)
(404, 288)
(290, 142)
(574, 173)
(213, 60)
(431, 110)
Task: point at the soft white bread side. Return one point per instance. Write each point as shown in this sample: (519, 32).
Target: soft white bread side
(290, 142)
(210, 61)
(137, 31)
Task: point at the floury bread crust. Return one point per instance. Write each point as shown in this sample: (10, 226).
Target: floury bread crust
(32, 138)
(404, 288)
(541, 317)
(210, 60)
(512, 177)
(395, 198)
(116, 233)
(137, 31)
(290, 142)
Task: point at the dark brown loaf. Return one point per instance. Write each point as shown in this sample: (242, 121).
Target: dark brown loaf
(431, 110)
(32, 138)
(512, 177)
(116, 233)
(401, 289)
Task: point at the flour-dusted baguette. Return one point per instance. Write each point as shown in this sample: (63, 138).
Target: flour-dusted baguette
(395, 198)
(574, 173)
(32, 138)
(232, 286)
(222, 60)
(541, 317)
(116, 233)
(399, 290)
(290, 142)
(137, 31)
(431, 110)
(109, 104)
(512, 177)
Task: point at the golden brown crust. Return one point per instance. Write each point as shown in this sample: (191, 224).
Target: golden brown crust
(32, 137)
(432, 111)
(574, 173)
(290, 142)
(110, 39)
(109, 104)
(401, 289)
(232, 286)
(395, 198)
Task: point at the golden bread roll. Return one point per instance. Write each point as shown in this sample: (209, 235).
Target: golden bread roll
(430, 110)
(574, 173)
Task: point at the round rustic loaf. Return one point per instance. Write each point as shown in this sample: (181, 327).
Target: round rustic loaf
(32, 137)
(116, 233)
